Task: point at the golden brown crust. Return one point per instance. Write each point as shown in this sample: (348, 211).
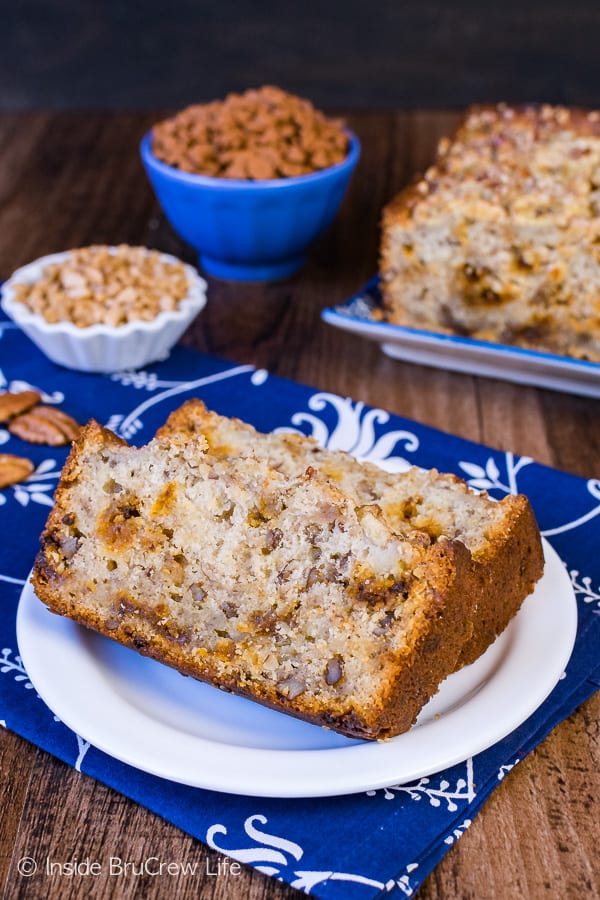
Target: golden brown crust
(506, 572)
(585, 122)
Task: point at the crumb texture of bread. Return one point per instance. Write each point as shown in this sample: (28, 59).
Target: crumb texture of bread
(289, 574)
(500, 240)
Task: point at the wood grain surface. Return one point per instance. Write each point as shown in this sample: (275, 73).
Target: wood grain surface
(73, 179)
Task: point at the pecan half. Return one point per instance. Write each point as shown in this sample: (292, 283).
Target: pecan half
(45, 425)
(14, 469)
(62, 420)
(12, 405)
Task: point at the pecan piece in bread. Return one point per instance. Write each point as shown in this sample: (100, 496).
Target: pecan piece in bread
(13, 469)
(12, 405)
(45, 425)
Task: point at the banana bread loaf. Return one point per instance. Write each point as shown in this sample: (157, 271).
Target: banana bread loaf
(500, 240)
(239, 564)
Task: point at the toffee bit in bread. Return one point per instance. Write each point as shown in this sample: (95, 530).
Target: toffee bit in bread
(357, 640)
(501, 240)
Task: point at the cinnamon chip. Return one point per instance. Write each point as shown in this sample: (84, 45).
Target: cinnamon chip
(12, 405)
(45, 425)
(13, 469)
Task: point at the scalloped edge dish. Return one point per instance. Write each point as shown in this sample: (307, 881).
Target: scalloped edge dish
(100, 347)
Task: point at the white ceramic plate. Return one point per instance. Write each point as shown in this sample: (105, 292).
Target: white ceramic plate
(462, 354)
(149, 716)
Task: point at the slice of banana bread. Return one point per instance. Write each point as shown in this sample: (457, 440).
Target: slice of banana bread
(502, 537)
(274, 584)
(500, 240)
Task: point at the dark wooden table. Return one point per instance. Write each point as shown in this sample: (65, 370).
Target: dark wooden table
(73, 179)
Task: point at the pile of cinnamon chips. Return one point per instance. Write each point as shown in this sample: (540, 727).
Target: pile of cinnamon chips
(258, 135)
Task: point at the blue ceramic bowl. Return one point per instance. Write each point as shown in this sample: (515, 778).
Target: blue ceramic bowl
(249, 230)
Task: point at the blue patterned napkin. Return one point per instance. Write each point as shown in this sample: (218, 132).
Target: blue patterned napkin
(375, 844)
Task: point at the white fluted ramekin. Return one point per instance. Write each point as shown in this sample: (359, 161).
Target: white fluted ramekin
(103, 348)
